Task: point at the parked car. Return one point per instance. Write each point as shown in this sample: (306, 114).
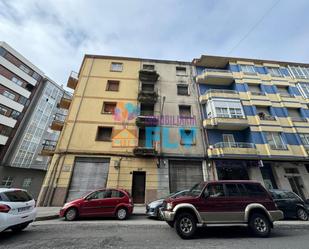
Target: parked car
(228, 203)
(17, 209)
(153, 208)
(100, 203)
(290, 204)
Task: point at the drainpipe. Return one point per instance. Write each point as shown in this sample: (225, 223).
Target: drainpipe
(161, 138)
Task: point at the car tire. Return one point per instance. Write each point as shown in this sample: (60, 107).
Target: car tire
(302, 214)
(19, 228)
(260, 225)
(71, 214)
(185, 225)
(170, 223)
(121, 213)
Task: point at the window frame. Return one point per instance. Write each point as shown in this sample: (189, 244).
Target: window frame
(104, 140)
(114, 63)
(7, 179)
(104, 105)
(182, 141)
(181, 71)
(187, 89)
(187, 106)
(276, 146)
(112, 82)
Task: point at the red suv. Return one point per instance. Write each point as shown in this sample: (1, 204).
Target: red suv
(226, 203)
(100, 203)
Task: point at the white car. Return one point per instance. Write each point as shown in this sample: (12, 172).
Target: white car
(17, 209)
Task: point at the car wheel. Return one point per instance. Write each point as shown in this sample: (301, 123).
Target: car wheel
(121, 214)
(185, 225)
(19, 228)
(302, 214)
(170, 223)
(71, 214)
(260, 225)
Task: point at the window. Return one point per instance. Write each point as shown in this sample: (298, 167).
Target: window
(222, 112)
(275, 71)
(36, 76)
(3, 110)
(22, 100)
(97, 195)
(275, 141)
(299, 72)
(229, 139)
(185, 111)
(104, 134)
(15, 114)
(116, 194)
(2, 51)
(215, 190)
(109, 107)
(255, 89)
(9, 95)
(291, 170)
(25, 69)
(148, 67)
(27, 182)
(147, 87)
(232, 190)
(182, 89)
(5, 130)
(17, 81)
(112, 85)
(255, 190)
(116, 67)
(181, 71)
(283, 91)
(248, 69)
(304, 89)
(187, 137)
(236, 113)
(7, 181)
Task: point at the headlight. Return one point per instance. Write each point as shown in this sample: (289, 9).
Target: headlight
(169, 206)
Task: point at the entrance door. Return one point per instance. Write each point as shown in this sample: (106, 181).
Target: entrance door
(296, 185)
(138, 186)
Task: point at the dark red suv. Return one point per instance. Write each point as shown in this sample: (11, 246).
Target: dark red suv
(226, 203)
(100, 203)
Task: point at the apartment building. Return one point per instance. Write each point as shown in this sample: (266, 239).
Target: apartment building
(133, 124)
(255, 115)
(28, 101)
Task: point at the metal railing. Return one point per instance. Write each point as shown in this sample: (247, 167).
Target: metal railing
(258, 93)
(278, 147)
(234, 145)
(287, 95)
(267, 117)
(229, 116)
(49, 145)
(298, 119)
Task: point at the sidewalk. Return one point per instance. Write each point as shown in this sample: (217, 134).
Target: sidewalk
(48, 213)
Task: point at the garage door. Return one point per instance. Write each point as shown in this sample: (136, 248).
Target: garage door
(184, 174)
(88, 174)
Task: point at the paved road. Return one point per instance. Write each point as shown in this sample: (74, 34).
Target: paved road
(141, 233)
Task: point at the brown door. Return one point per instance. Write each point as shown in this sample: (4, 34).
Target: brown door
(138, 186)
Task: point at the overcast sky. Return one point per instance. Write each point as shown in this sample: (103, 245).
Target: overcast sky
(55, 34)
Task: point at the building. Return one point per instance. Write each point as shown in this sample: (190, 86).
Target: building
(255, 115)
(121, 109)
(28, 101)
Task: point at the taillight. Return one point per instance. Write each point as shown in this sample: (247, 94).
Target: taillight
(4, 208)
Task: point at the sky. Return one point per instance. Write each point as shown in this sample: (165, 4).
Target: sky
(55, 34)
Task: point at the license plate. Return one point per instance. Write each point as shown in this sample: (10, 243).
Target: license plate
(23, 209)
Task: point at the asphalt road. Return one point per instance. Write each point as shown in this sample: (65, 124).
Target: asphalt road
(141, 233)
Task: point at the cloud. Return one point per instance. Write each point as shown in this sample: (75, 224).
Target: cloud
(55, 34)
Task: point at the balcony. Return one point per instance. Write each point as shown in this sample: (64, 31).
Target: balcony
(149, 97)
(65, 101)
(49, 147)
(146, 75)
(73, 80)
(143, 121)
(215, 77)
(298, 119)
(144, 151)
(226, 123)
(218, 93)
(232, 150)
(58, 122)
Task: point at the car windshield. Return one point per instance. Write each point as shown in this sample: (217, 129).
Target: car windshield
(196, 189)
(17, 196)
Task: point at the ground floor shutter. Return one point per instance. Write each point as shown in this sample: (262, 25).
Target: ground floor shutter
(184, 174)
(88, 174)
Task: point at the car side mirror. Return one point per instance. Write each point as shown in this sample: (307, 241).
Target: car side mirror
(206, 194)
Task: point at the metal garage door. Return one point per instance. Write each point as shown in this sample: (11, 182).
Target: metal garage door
(88, 174)
(184, 174)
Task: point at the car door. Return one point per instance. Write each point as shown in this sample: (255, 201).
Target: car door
(93, 204)
(213, 208)
(280, 199)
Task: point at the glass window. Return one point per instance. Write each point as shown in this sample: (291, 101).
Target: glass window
(3, 110)
(304, 89)
(148, 67)
(25, 68)
(27, 182)
(116, 194)
(182, 90)
(104, 134)
(15, 114)
(275, 141)
(222, 112)
(17, 196)
(232, 190)
(17, 81)
(215, 190)
(112, 85)
(97, 195)
(116, 67)
(236, 113)
(248, 69)
(9, 95)
(181, 71)
(109, 107)
(22, 100)
(2, 51)
(275, 71)
(255, 190)
(7, 181)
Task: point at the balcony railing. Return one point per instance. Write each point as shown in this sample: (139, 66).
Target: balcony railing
(229, 116)
(58, 122)
(145, 96)
(216, 70)
(73, 80)
(267, 117)
(59, 117)
(146, 75)
(144, 151)
(65, 100)
(142, 121)
(278, 147)
(298, 119)
(215, 76)
(49, 147)
(221, 91)
(287, 95)
(258, 93)
(234, 145)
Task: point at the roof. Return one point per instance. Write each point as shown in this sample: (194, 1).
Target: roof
(10, 189)
(222, 61)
